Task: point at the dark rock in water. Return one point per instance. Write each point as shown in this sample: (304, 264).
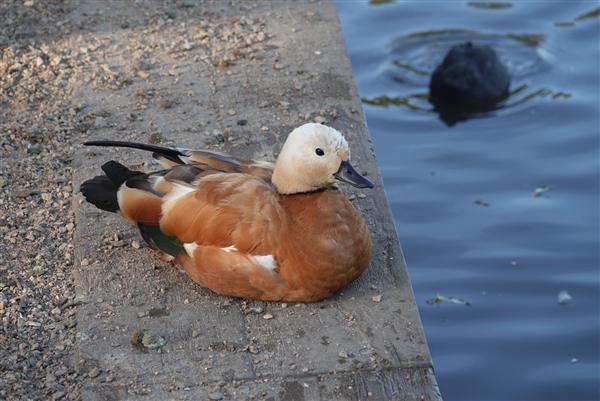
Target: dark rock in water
(470, 79)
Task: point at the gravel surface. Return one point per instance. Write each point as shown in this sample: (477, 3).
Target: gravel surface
(50, 50)
(37, 124)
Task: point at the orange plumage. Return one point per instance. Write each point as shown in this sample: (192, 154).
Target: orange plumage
(244, 228)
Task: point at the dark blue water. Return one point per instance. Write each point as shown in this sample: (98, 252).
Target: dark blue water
(463, 196)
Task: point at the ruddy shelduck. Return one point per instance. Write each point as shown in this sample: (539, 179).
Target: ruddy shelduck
(245, 228)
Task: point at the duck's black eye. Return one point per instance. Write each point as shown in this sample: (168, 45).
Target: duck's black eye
(319, 152)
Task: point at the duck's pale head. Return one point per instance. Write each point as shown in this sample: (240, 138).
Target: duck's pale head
(313, 157)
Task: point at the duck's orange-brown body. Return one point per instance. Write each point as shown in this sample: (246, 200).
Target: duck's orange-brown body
(236, 234)
(318, 241)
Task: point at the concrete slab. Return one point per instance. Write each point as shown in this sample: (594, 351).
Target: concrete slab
(236, 77)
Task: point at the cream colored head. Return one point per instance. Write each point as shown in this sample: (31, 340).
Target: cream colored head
(312, 158)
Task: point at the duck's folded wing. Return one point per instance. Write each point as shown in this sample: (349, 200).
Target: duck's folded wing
(229, 227)
(235, 211)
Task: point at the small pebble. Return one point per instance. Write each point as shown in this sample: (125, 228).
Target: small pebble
(136, 244)
(58, 395)
(376, 298)
(95, 372)
(152, 340)
(267, 316)
(215, 396)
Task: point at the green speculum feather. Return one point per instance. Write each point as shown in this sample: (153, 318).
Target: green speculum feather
(168, 244)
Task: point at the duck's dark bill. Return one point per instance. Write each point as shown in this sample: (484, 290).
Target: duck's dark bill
(348, 174)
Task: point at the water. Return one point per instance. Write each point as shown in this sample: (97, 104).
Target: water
(462, 196)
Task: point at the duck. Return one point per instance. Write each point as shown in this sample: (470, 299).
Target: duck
(280, 231)
(471, 78)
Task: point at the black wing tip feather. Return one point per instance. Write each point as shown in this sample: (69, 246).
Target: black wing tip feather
(101, 191)
(118, 173)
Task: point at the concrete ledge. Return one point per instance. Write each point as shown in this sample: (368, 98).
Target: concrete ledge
(246, 74)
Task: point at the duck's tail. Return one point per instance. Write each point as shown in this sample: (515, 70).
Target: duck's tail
(101, 191)
(141, 205)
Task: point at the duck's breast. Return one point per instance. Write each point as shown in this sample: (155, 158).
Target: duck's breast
(325, 242)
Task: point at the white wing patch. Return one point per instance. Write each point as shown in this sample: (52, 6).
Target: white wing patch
(190, 248)
(179, 191)
(267, 262)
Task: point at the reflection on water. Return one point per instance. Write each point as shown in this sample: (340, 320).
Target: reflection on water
(418, 102)
(590, 14)
(404, 101)
(489, 5)
(501, 210)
